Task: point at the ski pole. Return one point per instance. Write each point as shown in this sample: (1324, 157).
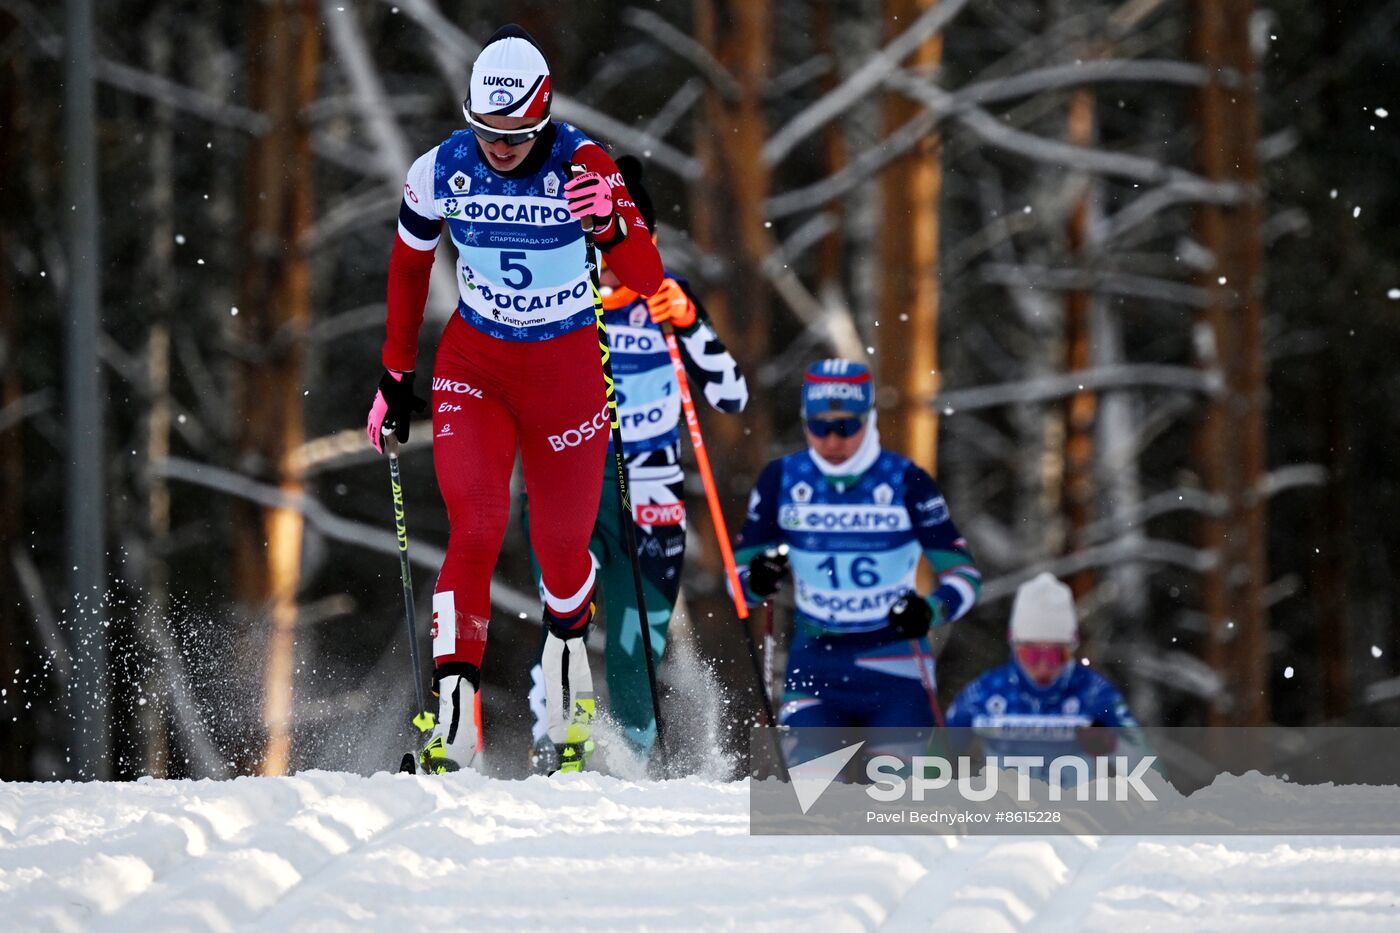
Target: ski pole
(768, 682)
(768, 717)
(707, 477)
(702, 460)
(926, 675)
(624, 497)
(736, 589)
(423, 719)
(768, 645)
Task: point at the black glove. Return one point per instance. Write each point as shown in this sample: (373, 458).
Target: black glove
(911, 617)
(399, 404)
(766, 572)
(1095, 739)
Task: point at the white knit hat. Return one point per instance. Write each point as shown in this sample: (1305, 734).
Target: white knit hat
(510, 77)
(1044, 611)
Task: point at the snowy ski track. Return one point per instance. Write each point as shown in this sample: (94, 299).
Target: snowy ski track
(333, 851)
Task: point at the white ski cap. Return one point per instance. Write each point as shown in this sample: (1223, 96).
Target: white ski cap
(510, 78)
(1043, 610)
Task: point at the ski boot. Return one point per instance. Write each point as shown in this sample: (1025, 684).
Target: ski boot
(578, 746)
(453, 744)
(569, 702)
(544, 757)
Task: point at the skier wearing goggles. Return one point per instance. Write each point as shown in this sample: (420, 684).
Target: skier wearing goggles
(1044, 702)
(851, 521)
(518, 369)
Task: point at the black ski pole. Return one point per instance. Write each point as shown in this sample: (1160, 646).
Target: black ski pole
(707, 478)
(423, 719)
(764, 697)
(624, 497)
(765, 700)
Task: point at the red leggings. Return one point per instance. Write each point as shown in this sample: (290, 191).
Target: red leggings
(489, 397)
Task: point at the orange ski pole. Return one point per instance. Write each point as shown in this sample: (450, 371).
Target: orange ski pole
(702, 459)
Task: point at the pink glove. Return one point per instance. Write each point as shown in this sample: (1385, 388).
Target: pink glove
(394, 404)
(590, 196)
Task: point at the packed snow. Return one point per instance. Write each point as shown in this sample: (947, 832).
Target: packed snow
(333, 851)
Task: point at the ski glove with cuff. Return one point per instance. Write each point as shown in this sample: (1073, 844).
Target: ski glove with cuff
(766, 572)
(394, 404)
(671, 303)
(590, 196)
(911, 617)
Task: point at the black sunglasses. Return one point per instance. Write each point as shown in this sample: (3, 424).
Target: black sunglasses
(841, 427)
(511, 137)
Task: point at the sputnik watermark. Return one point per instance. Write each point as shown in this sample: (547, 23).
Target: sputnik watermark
(1065, 772)
(1126, 780)
(1109, 778)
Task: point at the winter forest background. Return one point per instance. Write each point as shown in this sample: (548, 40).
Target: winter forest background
(1126, 270)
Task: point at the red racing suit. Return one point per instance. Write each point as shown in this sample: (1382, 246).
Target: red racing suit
(518, 367)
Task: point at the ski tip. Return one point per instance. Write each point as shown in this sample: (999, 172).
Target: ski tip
(408, 765)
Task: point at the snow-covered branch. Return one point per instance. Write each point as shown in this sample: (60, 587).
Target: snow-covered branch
(1152, 203)
(1063, 77)
(350, 448)
(394, 153)
(639, 141)
(1105, 281)
(176, 96)
(1294, 476)
(1177, 184)
(455, 51)
(1123, 551)
(326, 522)
(997, 133)
(26, 406)
(699, 57)
(859, 170)
(676, 107)
(31, 584)
(1184, 499)
(859, 85)
(1104, 378)
(781, 85)
(835, 324)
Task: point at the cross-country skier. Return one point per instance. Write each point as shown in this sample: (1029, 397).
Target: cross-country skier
(1043, 702)
(518, 366)
(650, 409)
(852, 520)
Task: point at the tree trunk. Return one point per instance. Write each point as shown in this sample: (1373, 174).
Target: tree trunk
(728, 209)
(907, 341)
(1230, 440)
(275, 310)
(832, 252)
(153, 722)
(727, 223)
(85, 501)
(1081, 409)
(862, 222)
(15, 751)
(1329, 569)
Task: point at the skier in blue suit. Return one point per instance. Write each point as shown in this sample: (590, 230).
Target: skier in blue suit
(1043, 702)
(851, 521)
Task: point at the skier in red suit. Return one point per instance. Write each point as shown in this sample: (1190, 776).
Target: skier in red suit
(518, 367)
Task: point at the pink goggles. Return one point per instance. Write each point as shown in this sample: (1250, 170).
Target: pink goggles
(1042, 655)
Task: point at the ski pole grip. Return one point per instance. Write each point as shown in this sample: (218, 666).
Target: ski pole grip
(575, 170)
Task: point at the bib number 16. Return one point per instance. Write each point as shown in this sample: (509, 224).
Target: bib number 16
(861, 571)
